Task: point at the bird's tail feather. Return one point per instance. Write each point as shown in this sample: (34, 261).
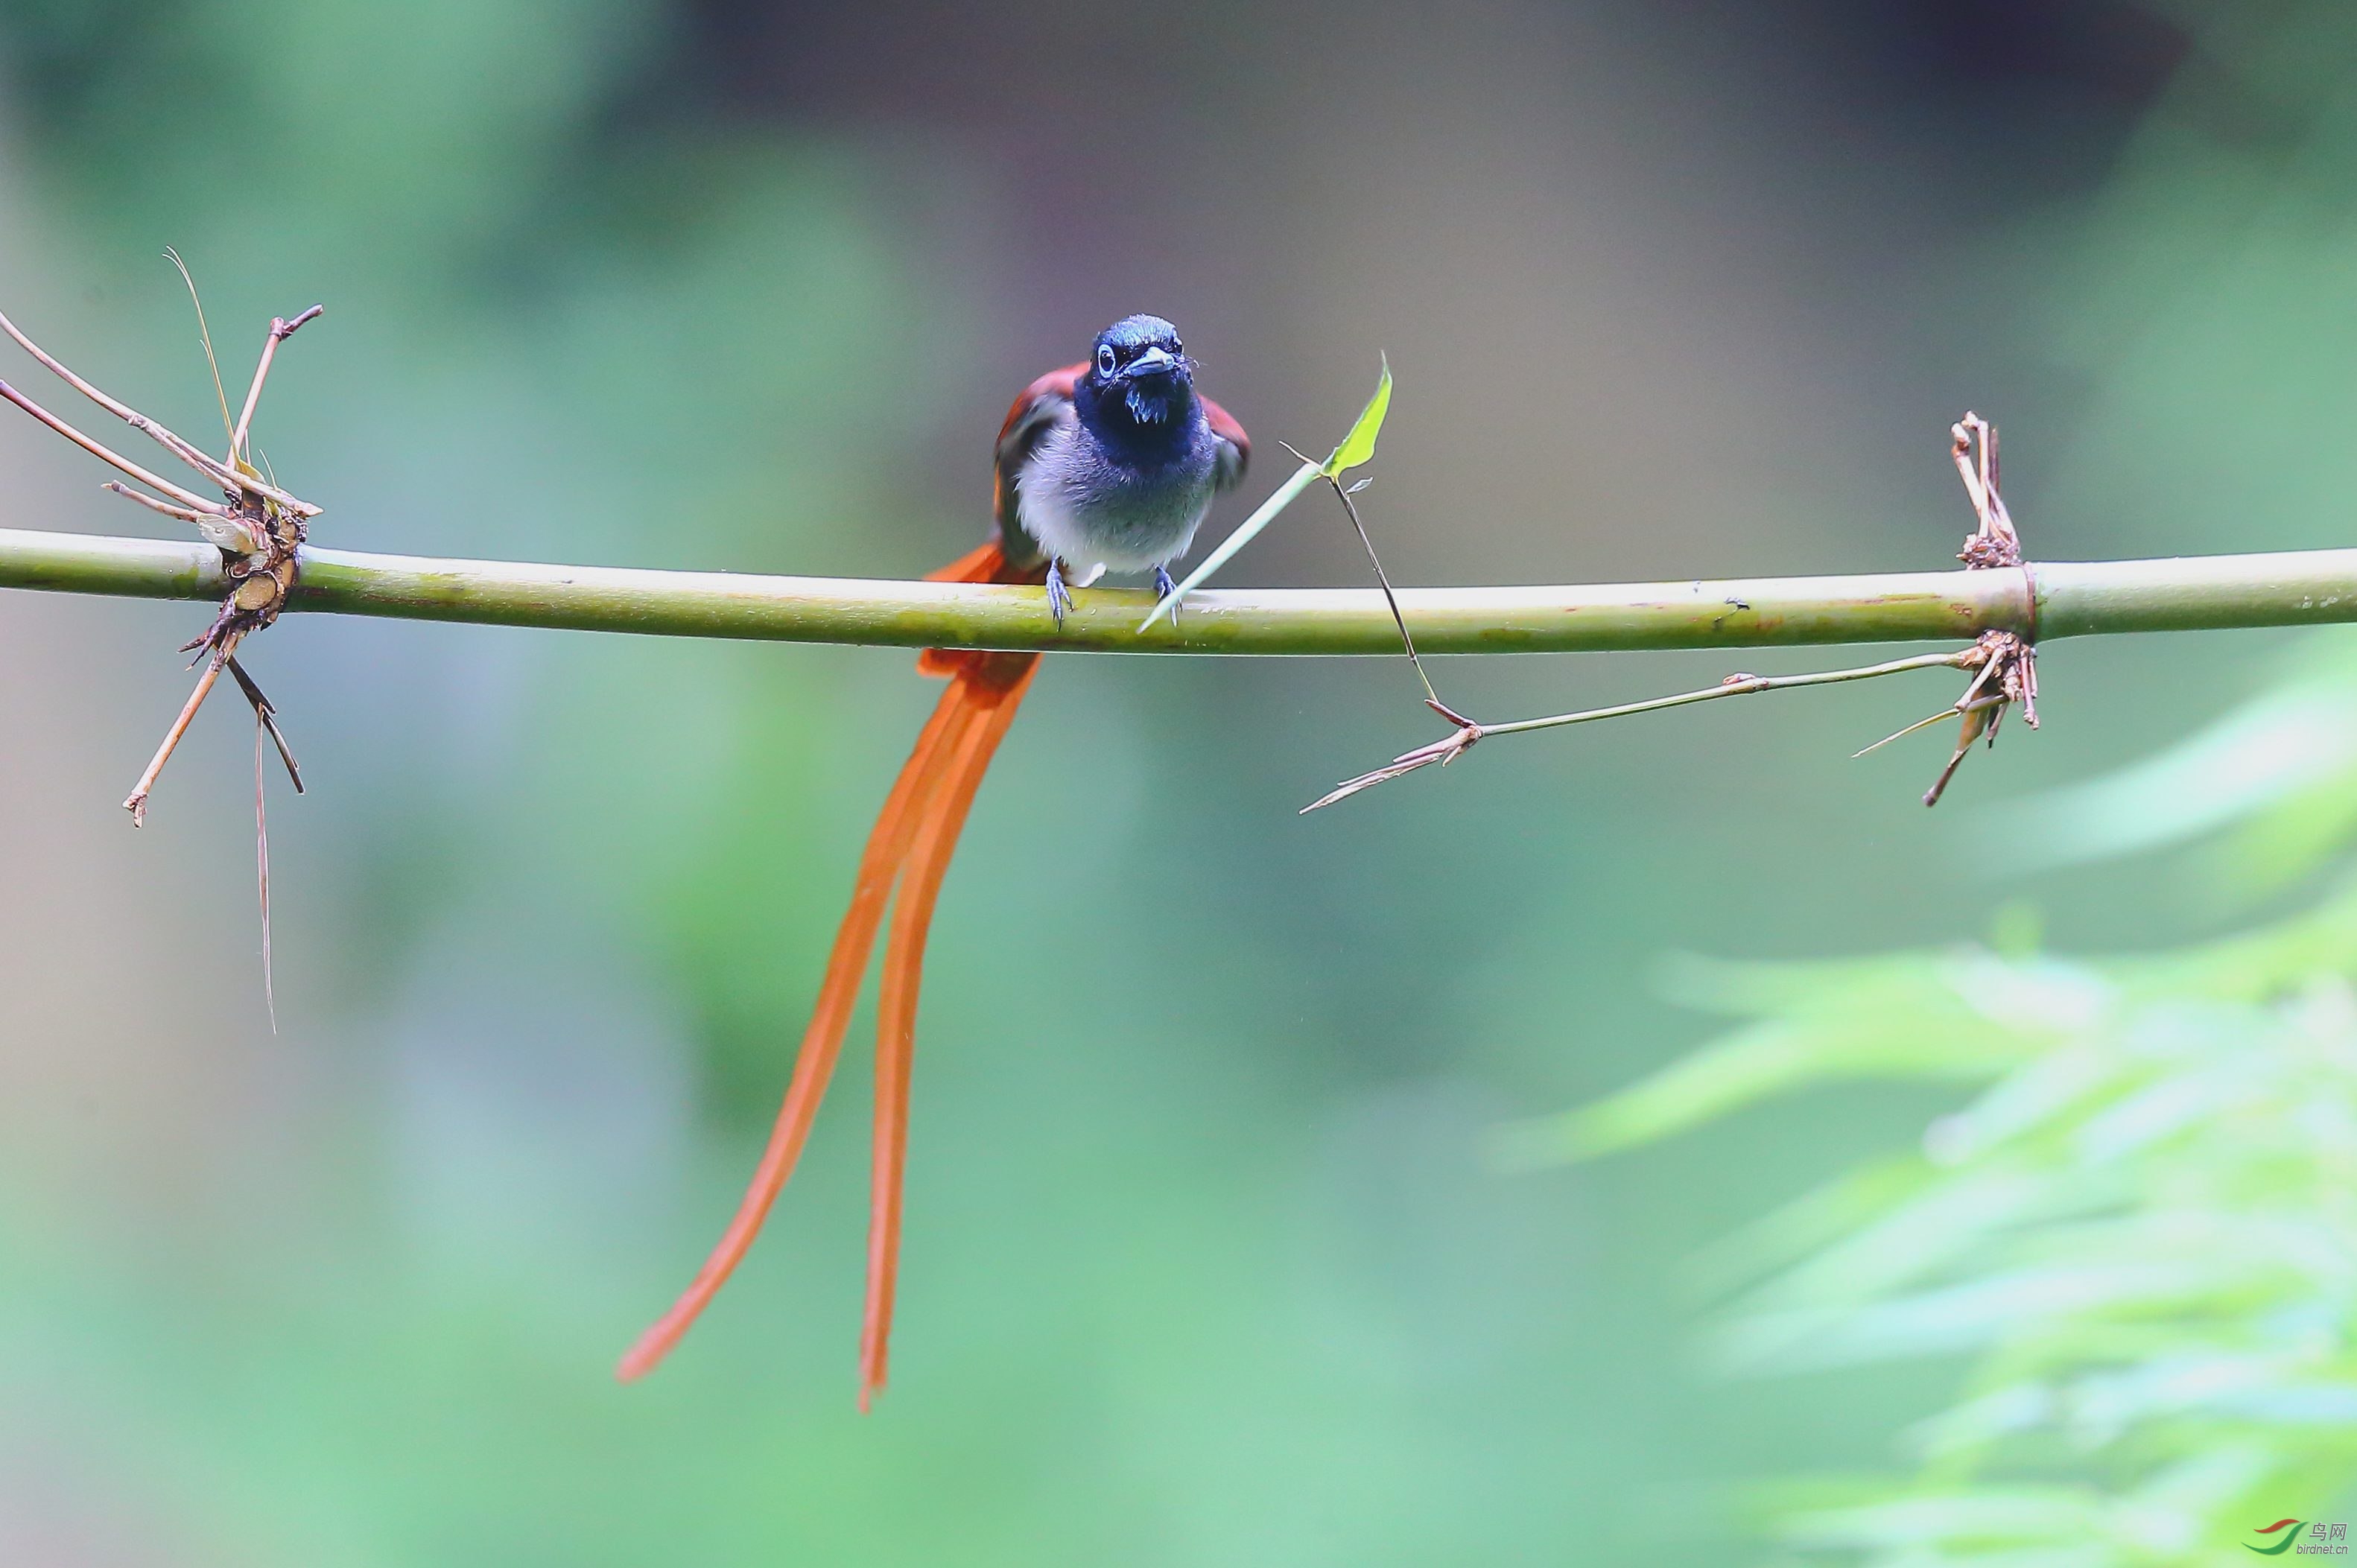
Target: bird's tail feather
(896, 1007)
(910, 847)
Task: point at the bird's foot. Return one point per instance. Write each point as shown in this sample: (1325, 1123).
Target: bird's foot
(1164, 588)
(1059, 601)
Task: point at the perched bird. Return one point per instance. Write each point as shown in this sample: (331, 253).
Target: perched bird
(1109, 464)
(1114, 463)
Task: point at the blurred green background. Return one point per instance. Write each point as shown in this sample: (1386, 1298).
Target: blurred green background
(1207, 1260)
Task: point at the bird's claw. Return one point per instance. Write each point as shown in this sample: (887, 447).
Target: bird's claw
(1164, 589)
(1060, 600)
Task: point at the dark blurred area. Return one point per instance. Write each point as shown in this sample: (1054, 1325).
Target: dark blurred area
(1206, 1258)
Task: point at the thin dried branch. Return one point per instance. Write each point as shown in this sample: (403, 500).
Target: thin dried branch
(267, 712)
(1383, 578)
(1974, 447)
(155, 503)
(204, 334)
(281, 329)
(259, 530)
(1468, 732)
(232, 483)
(136, 802)
(153, 481)
(227, 532)
(2007, 663)
(1981, 718)
(263, 725)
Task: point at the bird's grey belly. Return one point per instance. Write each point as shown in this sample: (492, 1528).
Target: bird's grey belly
(1091, 515)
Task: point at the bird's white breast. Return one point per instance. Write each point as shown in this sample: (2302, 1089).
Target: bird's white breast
(1090, 519)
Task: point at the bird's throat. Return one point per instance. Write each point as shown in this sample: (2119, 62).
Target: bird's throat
(1146, 407)
(1139, 426)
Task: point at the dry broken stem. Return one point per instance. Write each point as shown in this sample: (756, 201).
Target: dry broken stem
(1468, 732)
(256, 526)
(2005, 664)
(2009, 661)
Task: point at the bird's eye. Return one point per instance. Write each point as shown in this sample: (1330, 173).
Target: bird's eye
(1178, 349)
(1105, 359)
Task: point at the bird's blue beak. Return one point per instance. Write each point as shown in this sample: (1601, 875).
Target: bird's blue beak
(1152, 362)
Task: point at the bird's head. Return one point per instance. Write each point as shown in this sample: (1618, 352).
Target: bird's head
(1139, 362)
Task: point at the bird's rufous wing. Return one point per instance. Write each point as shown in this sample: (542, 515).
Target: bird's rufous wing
(1235, 447)
(1036, 412)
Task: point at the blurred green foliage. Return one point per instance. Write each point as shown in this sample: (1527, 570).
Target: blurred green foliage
(2141, 1235)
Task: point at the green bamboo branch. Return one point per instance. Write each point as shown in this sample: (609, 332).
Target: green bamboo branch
(2072, 599)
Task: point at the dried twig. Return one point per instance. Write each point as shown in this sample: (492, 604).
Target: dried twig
(137, 802)
(1468, 732)
(2008, 662)
(2005, 663)
(226, 475)
(267, 712)
(204, 334)
(105, 455)
(281, 329)
(1383, 578)
(261, 871)
(156, 503)
(258, 527)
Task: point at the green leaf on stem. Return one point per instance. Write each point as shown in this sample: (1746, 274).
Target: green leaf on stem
(1359, 445)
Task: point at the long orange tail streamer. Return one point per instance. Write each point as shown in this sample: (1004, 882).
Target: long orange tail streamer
(896, 1009)
(910, 846)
